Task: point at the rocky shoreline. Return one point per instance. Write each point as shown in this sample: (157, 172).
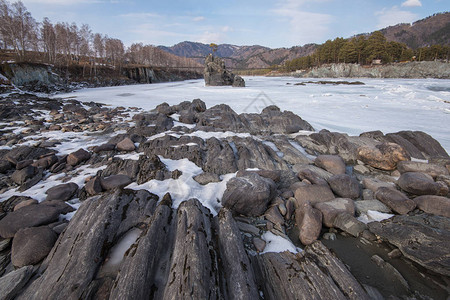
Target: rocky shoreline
(186, 201)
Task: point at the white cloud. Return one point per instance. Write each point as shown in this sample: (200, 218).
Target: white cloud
(304, 27)
(412, 3)
(210, 37)
(227, 29)
(394, 16)
(198, 19)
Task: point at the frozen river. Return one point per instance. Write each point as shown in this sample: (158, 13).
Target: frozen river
(388, 105)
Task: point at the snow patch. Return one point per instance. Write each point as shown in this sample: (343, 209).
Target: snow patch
(275, 243)
(374, 216)
(118, 251)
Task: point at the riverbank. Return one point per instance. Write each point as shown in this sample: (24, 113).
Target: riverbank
(411, 70)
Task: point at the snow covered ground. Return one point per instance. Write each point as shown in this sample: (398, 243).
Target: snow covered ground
(388, 105)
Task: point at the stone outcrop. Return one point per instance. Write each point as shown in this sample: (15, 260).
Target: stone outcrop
(216, 74)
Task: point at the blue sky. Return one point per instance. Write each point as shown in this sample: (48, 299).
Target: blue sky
(271, 23)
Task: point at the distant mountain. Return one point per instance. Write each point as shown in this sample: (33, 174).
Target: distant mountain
(240, 56)
(426, 32)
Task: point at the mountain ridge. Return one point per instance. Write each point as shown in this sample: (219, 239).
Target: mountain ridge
(429, 31)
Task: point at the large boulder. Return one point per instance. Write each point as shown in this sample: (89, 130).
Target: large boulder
(395, 200)
(414, 166)
(313, 194)
(421, 184)
(332, 163)
(332, 208)
(309, 222)
(78, 157)
(435, 205)
(31, 245)
(62, 192)
(12, 283)
(28, 216)
(345, 186)
(115, 181)
(216, 74)
(384, 156)
(249, 195)
(126, 145)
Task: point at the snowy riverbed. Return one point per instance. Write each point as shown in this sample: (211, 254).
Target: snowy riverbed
(389, 105)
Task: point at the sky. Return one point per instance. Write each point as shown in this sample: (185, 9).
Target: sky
(270, 23)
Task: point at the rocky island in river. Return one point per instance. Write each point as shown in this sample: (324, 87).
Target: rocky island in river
(186, 201)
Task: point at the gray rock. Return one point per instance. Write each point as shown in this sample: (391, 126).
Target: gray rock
(126, 145)
(28, 216)
(348, 223)
(429, 147)
(191, 269)
(249, 195)
(93, 186)
(332, 163)
(241, 283)
(259, 244)
(421, 184)
(312, 177)
(104, 147)
(4, 244)
(309, 222)
(273, 215)
(344, 186)
(373, 184)
(12, 283)
(302, 170)
(46, 162)
(427, 168)
(31, 245)
(334, 207)
(93, 230)
(78, 157)
(5, 166)
(115, 181)
(363, 206)
(249, 228)
(25, 203)
(313, 194)
(216, 75)
(304, 275)
(423, 238)
(24, 174)
(62, 192)
(395, 200)
(206, 177)
(390, 272)
(23, 163)
(435, 205)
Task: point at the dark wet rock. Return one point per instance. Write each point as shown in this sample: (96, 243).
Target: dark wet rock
(332, 163)
(348, 223)
(151, 168)
(206, 177)
(304, 275)
(78, 157)
(425, 239)
(384, 156)
(345, 186)
(391, 272)
(62, 192)
(395, 200)
(435, 205)
(12, 283)
(25, 203)
(249, 195)
(313, 194)
(363, 206)
(309, 222)
(429, 147)
(93, 186)
(192, 268)
(114, 181)
(104, 147)
(427, 168)
(216, 74)
(334, 207)
(28, 216)
(241, 283)
(421, 184)
(31, 245)
(90, 234)
(23, 175)
(222, 117)
(126, 145)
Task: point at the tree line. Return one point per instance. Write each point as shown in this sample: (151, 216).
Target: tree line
(66, 44)
(364, 50)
